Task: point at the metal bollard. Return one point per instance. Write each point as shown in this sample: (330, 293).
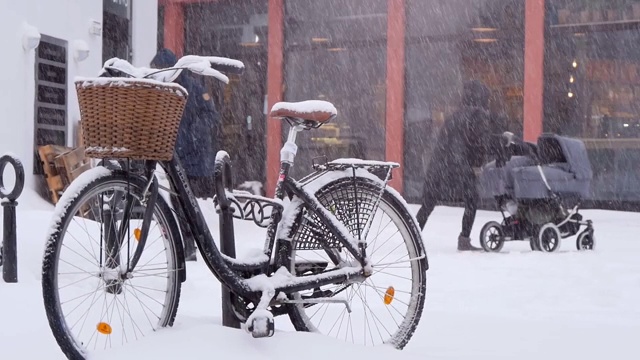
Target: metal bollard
(8, 199)
(227, 236)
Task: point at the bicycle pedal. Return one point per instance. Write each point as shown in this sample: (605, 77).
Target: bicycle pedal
(262, 325)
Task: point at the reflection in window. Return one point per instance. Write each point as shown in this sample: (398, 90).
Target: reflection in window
(449, 43)
(335, 50)
(239, 30)
(592, 88)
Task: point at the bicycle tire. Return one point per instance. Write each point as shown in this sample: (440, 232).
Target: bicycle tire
(84, 187)
(390, 201)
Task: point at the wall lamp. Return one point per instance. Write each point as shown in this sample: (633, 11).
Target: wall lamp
(80, 50)
(30, 37)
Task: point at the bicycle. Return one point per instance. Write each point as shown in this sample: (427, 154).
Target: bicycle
(317, 244)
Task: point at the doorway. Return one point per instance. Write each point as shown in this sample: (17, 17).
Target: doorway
(116, 34)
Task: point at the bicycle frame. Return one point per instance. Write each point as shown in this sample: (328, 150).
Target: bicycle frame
(224, 269)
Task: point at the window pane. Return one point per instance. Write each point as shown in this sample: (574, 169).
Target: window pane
(450, 42)
(235, 29)
(336, 51)
(592, 88)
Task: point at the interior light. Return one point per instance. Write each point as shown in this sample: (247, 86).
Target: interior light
(483, 29)
(571, 80)
(570, 94)
(575, 64)
(485, 40)
(319, 39)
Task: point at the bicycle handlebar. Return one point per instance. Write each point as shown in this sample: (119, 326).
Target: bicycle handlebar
(202, 65)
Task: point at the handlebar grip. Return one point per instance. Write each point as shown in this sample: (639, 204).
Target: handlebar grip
(228, 69)
(226, 65)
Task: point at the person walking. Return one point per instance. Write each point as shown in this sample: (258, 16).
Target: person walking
(461, 148)
(196, 141)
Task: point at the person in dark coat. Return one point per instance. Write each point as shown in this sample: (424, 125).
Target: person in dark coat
(195, 144)
(461, 148)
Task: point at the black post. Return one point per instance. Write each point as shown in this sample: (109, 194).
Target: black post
(9, 203)
(227, 235)
(227, 247)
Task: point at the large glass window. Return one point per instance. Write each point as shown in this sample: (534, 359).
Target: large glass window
(592, 88)
(335, 50)
(236, 29)
(449, 42)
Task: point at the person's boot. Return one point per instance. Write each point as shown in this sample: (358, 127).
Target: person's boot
(464, 244)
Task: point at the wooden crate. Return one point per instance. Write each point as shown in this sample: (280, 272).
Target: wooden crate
(61, 166)
(71, 164)
(47, 155)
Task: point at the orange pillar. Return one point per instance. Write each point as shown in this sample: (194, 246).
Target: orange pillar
(394, 134)
(533, 69)
(174, 27)
(275, 78)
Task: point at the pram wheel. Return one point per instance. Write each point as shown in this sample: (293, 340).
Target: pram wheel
(492, 237)
(585, 241)
(548, 238)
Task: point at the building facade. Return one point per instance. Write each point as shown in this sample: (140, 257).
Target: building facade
(46, 44)
(395, 69)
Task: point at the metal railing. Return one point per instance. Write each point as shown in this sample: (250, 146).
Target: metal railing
(8, 250)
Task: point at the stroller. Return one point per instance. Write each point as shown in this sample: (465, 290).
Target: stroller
(538, 189)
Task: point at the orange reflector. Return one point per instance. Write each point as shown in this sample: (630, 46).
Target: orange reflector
(136, 233)
(388, 295)
(104, 328)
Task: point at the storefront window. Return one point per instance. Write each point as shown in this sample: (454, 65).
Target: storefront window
(447, 44)
(235, 29)
(335, 50)
(592, 88)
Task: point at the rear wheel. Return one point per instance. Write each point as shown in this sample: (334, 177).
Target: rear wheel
(386, 307)
(548, 238)
(91, 302)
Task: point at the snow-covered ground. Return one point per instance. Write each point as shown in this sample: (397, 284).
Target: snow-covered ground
(516, 305)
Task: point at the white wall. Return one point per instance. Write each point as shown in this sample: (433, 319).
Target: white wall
(67, 20)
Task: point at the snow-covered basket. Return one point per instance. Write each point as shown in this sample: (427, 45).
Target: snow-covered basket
(130, 118)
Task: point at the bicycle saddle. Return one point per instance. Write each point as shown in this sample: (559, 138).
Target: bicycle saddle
(309, 113)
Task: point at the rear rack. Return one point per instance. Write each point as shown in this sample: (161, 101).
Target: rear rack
(381, 169)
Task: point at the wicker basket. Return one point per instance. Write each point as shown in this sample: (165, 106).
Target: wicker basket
(130, 118)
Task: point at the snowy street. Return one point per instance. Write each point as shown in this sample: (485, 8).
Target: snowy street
(514, 305)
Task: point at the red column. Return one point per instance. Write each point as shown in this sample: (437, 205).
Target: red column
(275, 65)
(174, 27)
(533, 69)
(395, 88)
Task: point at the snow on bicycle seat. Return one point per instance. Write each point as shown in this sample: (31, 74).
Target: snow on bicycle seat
(316, 111)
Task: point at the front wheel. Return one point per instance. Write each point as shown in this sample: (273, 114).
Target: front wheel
(91, 301)
(385, 307)
(586, 241)
(492, 237)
